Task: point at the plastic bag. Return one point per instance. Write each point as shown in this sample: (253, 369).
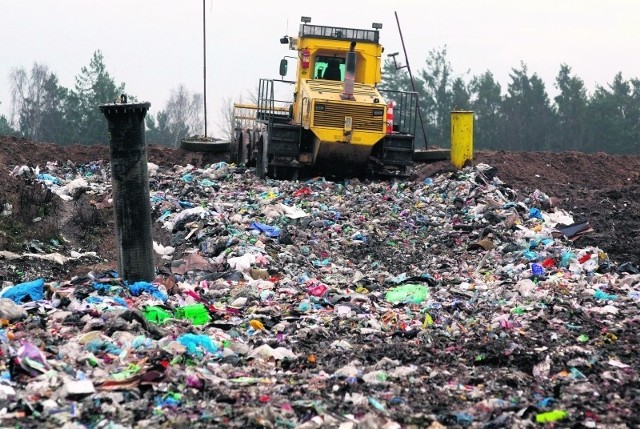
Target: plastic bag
(411, 293)
(194, 343)
(33, 290)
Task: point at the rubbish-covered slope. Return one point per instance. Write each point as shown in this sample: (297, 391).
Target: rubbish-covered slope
(453, 299)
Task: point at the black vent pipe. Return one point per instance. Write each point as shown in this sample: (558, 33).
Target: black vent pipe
(130, 186)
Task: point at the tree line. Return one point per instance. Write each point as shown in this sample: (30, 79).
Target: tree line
(43, 110)
(520, 118)
(524, 117)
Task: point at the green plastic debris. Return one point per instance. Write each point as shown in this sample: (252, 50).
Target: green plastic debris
(428, 321)
(411, 293)
(92, 360)
(197, 313)
(551, 416)
(132, 370)
(376, 404)
(583, 338)
(381, 376)
(598, 294)
(156, 314)
(575, 373)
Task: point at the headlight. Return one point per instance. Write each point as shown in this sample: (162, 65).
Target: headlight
(378, 112)
(320, 107)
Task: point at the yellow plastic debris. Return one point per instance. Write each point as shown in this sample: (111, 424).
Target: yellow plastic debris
(428, 321)
(551, 416)
(257, 325)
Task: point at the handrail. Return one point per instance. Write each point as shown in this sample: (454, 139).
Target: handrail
(405, 111)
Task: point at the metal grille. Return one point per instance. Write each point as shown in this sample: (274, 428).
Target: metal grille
(328, 87)
(363, 120)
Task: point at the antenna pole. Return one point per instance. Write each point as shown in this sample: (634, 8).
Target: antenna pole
(413, 84)
(204, 56)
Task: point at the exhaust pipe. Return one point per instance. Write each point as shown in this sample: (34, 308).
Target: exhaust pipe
(349, 74)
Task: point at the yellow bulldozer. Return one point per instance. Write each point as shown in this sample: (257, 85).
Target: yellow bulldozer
(333, 117)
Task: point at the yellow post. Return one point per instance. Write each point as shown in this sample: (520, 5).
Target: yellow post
(461, 138)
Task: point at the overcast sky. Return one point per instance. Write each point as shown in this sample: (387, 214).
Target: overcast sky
(155, 45)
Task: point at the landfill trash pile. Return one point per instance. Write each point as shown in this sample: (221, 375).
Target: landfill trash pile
(453, 301)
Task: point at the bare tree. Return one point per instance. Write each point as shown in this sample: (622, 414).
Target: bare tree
(196, 115)
(18, 82)
(27, 99)
(184, 114)
(253, 95)
(225, 119)
(228, 122)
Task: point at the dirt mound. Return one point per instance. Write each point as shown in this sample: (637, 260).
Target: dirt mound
(601, 189)
(15, 151)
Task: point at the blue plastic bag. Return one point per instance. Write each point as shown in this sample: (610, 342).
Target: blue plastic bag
(48, 178)
(535, 213)
(193, 341)
(537, 270)
(99, 346)
(139, 287)
(34, 290)
(601, 295)
(269, 231)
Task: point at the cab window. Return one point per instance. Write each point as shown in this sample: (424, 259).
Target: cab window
(329, 67)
